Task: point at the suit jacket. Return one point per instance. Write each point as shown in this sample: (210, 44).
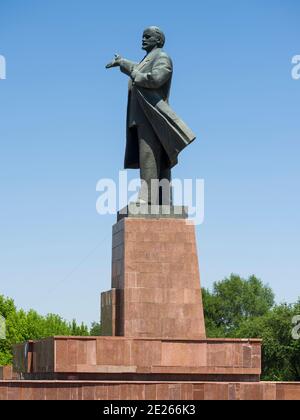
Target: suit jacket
(149, 90)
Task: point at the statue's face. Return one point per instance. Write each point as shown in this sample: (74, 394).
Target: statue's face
(150, 40)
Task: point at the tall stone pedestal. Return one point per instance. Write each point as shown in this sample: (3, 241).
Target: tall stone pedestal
(155, 281)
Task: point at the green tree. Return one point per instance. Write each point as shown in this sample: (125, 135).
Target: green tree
(95, 329)
(22, 326)
(281, 351)
(234, 300)
(240, 308)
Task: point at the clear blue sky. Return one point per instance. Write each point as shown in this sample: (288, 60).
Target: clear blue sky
(62, 128)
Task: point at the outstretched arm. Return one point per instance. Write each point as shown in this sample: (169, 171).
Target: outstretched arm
(115, 62)
(126, 66)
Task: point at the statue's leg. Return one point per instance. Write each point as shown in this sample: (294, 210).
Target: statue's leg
(150, 151)
(165, 190)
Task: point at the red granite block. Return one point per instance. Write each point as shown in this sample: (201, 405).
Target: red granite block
(91, 348)
(247, 356)
(72, 354)
(198, 392)
(251, 392)
(51, 392)
(140, 295)
(269, 392)
(238, 355)
(142, 310)
(256, 356)
(61, 355)
(13, 392)
(136, 391)
(101, 392)
(142, 237)
(118, 282)
(113, 392)
(192, 296)
(221, 354)
(146, 353)
(6, 373)
(82, 352)
(3, 391)
(74, 393)
(118, 239)
(131, 280)
(184, 354)
(125, 394)
(168, 326)
(150, 280)
(216, 392)
(174, 392)
(147, 328)
(117, 268)
(64, 392)
(232, 392)
(88, 393)
(280, 393)
(187, 391)
(113, 352)
(43, 355)
(288, 391)
(150, 392)
(162, 392)
(118, 227)
(118, 253)
(38, 392)
(131, 237)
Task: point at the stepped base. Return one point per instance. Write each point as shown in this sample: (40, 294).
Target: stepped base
(119, 358)
(140, 391)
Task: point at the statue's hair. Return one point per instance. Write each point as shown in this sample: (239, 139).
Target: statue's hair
(159, 32)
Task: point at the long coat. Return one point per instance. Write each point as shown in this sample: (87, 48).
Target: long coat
(150, 85)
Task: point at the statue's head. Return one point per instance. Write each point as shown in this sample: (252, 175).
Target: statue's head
(153, 37)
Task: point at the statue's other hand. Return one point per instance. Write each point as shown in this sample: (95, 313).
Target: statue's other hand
(115, 63)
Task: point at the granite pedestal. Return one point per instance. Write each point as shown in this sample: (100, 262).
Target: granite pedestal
(154, 344)
(155, 280)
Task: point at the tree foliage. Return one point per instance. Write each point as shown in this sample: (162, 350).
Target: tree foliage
(95, 329)
(281, 352)
(245, 308)
(22, 326)
(235, 299)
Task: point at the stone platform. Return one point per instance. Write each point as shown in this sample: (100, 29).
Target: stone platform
(151, 391)
(114, 358)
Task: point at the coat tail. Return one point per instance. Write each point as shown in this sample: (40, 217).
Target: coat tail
(172, 132)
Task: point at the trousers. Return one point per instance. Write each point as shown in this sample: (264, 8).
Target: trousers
(155, 171)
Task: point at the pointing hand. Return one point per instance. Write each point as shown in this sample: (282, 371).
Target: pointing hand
(115, 63)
